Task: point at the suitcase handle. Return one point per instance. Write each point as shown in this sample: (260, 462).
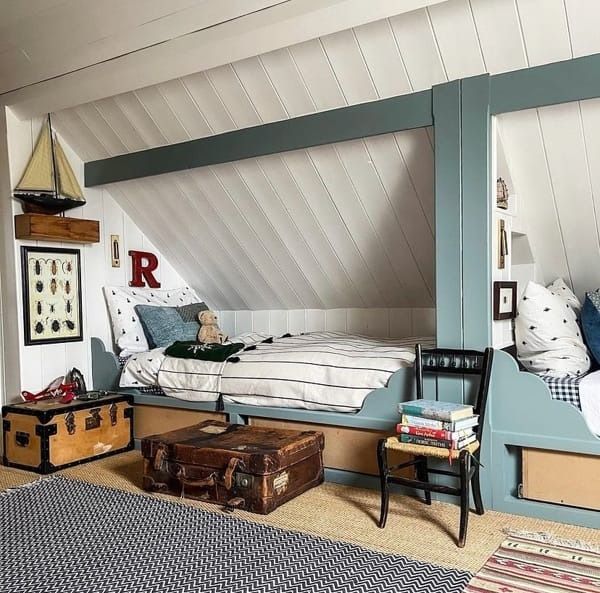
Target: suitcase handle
(211, 480)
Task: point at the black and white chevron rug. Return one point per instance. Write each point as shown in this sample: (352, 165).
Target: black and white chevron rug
(68, 536)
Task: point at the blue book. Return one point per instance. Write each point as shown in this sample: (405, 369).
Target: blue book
(445, 411)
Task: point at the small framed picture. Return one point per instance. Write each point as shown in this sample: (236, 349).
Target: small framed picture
(505, 300)
(52, 308)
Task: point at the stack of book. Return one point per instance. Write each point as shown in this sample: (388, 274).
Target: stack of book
(437, 424)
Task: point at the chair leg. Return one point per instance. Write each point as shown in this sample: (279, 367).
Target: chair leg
(475, 481)
(383, 476)
(423, 475)
(465, 464)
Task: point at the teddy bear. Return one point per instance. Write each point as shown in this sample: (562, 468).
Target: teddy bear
(210, 333)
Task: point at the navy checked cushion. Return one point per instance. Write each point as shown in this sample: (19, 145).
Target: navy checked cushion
(565, 389)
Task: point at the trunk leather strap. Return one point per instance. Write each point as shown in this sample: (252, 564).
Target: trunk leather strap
(231, 467)
(160, 457)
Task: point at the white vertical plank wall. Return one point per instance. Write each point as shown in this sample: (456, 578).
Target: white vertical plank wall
(41, 364)
(382, 322)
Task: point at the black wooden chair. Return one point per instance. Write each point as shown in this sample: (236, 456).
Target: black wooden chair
(442, 361)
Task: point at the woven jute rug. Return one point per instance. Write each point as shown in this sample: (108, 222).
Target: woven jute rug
(540, 563)
(62, 535)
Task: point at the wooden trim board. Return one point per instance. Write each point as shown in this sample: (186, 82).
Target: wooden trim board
(348, 449)
(149, 420)
(42, 227)
(562, 478)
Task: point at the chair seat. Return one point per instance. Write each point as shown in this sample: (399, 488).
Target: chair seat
(428, 451)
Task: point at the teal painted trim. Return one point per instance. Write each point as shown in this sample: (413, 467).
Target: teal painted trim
(560, 82)
(522, 413)
(337, 125)
(448, 215)
(105, 367)
(359, 480)
(476, 212)
(552, 512)
(144, 399)
(448, 228)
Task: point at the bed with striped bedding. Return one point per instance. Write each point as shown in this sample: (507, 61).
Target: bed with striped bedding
(328, 371)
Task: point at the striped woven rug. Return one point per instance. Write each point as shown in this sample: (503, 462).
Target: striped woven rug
(538, 563)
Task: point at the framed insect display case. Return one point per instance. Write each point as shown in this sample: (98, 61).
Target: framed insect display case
(52, 306)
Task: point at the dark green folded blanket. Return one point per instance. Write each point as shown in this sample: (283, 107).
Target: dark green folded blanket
(210, 352)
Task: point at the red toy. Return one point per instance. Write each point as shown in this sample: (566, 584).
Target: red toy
(66, 392)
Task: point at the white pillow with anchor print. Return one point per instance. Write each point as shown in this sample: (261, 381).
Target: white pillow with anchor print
(548, 338)
(127, 329)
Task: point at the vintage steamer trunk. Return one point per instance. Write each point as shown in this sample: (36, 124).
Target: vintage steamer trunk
(254, 468)
(46, 436)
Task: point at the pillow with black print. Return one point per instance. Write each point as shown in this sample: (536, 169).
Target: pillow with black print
(559, 288)
(127, 329)
(548, 338)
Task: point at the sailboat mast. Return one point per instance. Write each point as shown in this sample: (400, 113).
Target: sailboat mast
(54, 169)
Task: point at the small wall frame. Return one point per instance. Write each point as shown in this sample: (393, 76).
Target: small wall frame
(505, 300)
(52, 303)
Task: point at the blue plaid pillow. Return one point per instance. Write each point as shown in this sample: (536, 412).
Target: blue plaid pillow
(165, 325)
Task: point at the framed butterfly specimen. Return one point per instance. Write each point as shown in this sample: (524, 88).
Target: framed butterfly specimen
(52, 303)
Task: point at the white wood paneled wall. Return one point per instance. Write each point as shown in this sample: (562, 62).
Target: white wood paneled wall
(383, 323)
(41, 364)
(553, 152)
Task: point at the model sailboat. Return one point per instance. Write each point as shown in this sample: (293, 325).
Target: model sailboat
(48, 185)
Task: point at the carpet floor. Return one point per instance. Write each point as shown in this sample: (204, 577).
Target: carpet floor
(349, 514)
(69, 536)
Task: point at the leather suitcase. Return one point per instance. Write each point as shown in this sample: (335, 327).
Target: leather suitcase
(238, 466)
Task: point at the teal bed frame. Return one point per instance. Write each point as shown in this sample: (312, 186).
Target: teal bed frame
(522, 411)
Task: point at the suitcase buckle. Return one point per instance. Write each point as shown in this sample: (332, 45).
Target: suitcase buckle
(243, 480)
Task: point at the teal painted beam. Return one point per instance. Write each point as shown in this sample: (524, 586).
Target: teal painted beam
(476, 212)
(448, 215)
(560, 82)
(476, 248)
(337, 125)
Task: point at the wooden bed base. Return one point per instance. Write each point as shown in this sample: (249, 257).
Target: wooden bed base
(522, 416)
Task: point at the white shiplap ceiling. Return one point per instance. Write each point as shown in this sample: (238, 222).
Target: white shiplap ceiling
(313, 228)
(43, 39)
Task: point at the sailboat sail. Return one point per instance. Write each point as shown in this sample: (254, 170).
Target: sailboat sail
(67, 182)
(48, 184)
(39, 173)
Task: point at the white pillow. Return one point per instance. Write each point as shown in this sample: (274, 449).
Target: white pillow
(547, 335)
(127, 329)
(559, 288)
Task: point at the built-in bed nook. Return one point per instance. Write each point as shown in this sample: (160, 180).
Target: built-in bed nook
(371, 162)
(351, 229)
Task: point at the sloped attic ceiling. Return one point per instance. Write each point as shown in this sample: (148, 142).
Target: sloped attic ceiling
(313, 228)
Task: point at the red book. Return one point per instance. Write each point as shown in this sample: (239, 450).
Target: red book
(433, 433)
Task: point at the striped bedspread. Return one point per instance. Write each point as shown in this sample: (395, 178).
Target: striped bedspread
(320, 371)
